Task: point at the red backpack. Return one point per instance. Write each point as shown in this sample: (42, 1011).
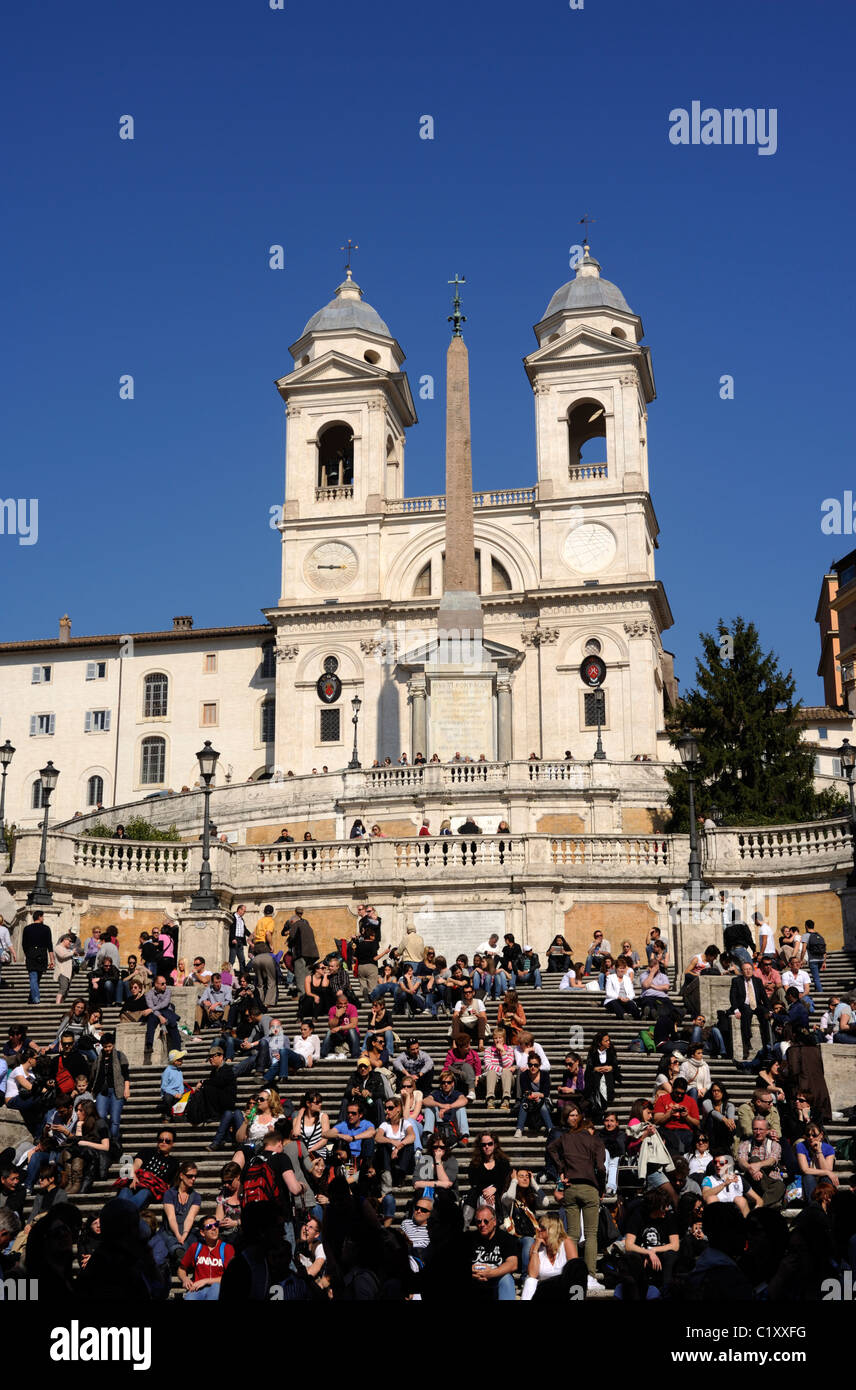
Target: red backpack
(260, 1184)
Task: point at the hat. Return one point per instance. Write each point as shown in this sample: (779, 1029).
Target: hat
(216, 1052)
(176, 1056)
(363, 1061)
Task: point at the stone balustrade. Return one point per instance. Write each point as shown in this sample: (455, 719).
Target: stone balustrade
(499, 497)
(729, 851)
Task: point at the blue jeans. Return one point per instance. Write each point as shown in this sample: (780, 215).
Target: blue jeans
(37, 1163)
(716, 1038)
(35, 976)
(531, 977)
(387, 1035)
(543, 1113)
(206, 1295)
(459, 1119)
(526, 1243)
(403, 1000)
(389, 987)
(814, 971)
(228, 1120)
(140, 1198)
(236, 953)
(111, 1106)
(153, 1023)
(505, 1290)
(279, 1063)
(742, 953)
(844, 1038)
(352, 1038)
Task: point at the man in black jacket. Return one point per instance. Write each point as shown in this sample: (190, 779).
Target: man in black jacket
(37, 945)
(738, 941)
(301, 944)
(748, 998)
(220, 1090)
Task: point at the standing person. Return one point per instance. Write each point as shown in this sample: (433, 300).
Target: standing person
(748, 999)
(602, 1074)
(766, 939)
(301, 943)
(263, 930)
(238, 938)
(111, 1083)
(263, 967)
(366, 951)
(7, 952)
(64, 953)
(815, 947)
(580, 1158)
(37, 946)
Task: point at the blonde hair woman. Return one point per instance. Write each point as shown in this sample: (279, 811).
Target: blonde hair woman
(552, 1249)
(258, 1122)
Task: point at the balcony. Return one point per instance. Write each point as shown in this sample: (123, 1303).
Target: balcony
(501, 497)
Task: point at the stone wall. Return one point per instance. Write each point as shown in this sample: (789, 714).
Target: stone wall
(643, 820)
(616, 920)
(822, 906)
(130, 923)
(558, 824)
(319, 829)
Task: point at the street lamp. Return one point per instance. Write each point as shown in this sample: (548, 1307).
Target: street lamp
(41, 895)
(7, 753)
(204, 900)
(688, 749)
(356, 706)
(847, 754)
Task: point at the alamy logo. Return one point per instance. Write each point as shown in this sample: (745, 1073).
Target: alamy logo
(731, 126)
(76, 1343)
(13, 519)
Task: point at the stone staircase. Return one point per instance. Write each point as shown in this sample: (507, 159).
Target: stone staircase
(557, 1019)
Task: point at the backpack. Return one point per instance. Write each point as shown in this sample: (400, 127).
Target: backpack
(260, 1184)
(197, 1249)
(816, 945)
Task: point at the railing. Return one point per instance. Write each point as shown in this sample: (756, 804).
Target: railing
(570, 773)
(321, 859)
(500, 853)
(823, 843)
(121, 858)
(498, 497)
(395, 779)
(613, 851)
(333, 494)
(587, 472)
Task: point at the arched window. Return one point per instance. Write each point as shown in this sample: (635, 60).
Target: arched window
(422, 587)
(153, 760)
(268, 726)
(593, 646)
(618, 333)
(586, 423)
(155, 695)
(336, 457)
(500, 582)
(36, 799)
(94, 791)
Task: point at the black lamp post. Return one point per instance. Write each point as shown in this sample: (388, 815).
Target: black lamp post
(688, 749)
(41, 895)
(847, 754)
(204, 900)
(356, 706)
(7, 753)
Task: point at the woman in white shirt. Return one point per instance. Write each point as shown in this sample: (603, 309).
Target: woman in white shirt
(696, 1073)
(551, 1251)
(620, 996)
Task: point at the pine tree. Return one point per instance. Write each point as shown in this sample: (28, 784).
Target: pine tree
(752, 763)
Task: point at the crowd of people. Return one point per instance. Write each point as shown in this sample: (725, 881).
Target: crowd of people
(683, 1197)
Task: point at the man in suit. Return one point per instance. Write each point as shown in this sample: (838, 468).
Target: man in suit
(748, 998)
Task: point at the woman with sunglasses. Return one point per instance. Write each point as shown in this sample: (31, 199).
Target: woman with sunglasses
(396, 1143)
(435, 1167)
(488, 1176)
(262, 1115)
(228, 1208)
(551, 1253)
(181, 1205)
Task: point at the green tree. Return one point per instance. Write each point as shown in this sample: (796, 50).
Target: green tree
(752, 763)
(137, 828)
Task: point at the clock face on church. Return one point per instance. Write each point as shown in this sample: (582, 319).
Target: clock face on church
(330, 566)
(589, 548)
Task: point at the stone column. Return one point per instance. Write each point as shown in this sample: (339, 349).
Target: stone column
(204, 934)
(503, 718)
(848, 917)
(417, 690)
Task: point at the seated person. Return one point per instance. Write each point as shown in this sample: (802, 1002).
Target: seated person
(495, 1258)
(534, 1106)
(447, 1104)
(722, 1184)
(463, 1062)
(469, 1016)
(677, 1118)
(342, 1026)
(396, 1143)
(213, 1004)
(357, 1131)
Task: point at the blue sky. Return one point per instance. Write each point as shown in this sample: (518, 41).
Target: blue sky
(301, 127)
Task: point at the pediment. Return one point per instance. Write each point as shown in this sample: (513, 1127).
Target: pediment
(584, 341)
(334, 366)
(495, 652)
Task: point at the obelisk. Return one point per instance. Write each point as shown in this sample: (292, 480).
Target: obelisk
(460, 619)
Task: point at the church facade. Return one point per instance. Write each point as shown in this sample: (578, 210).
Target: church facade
(565, 568)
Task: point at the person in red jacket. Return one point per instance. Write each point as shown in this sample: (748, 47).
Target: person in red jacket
(204, 1263)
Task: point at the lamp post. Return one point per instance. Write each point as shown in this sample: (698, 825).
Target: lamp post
(7, 753)
(356, 706)
(41, 895)
(688, 749)
(847, 754)
(204, 900)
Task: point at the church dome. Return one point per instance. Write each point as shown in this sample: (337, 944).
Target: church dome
(588, 290)
(346, 311)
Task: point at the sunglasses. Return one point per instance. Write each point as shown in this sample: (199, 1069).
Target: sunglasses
(210, 1226)
(488, 1144)
(166, 1140)
(485, 1221)
(426, 1210)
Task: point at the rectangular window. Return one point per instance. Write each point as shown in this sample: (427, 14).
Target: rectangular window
(331, 723)
(209, 714)
(42, 724)
(209, 662)
(41, 675)
(592, 699)
(268, 721)
(96, 721)
(96, 670)
(836, 767)
(823, 733)
(268, 661)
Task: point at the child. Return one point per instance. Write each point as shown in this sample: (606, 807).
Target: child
(172, 1083)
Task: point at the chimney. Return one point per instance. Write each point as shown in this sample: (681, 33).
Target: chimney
(182, 624)
(65, 629)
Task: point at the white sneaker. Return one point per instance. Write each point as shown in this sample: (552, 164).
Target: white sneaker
(593, 1284)
(518, 1134)
(471, 1095)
